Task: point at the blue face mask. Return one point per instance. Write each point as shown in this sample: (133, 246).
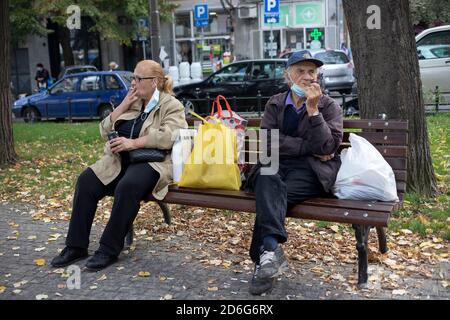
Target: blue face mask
(296, 89)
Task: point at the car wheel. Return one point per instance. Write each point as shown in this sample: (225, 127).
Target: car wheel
(189, 105)
(30, 114)
(104, 111)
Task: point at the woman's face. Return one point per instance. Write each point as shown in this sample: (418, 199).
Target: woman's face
(144, 82)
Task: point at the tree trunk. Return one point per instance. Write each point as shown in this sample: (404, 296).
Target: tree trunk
(7, 152)
(388, 76)
(64, 39)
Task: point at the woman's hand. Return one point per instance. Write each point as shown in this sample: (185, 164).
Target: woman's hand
(121, 144)
(130, 98)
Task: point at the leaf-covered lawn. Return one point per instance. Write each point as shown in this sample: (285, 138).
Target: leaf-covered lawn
(54, 154)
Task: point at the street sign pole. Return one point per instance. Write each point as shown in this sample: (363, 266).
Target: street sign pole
(143, 50)
(271, 41)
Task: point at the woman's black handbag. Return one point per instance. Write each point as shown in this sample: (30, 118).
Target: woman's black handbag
(147, 155)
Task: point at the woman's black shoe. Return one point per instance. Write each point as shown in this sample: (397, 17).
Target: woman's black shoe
(68, 256)
(100, 261)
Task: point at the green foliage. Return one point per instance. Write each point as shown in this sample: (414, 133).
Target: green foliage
(428, 11)
(29, 16)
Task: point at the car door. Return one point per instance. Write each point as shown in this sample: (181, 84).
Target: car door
(85, 101)
(230, 82)
(114, 91)
(434, 61)
(59, 95)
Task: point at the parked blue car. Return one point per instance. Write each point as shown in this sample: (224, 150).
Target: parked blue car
(81, 95)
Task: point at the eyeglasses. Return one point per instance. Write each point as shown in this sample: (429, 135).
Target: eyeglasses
(139, 79)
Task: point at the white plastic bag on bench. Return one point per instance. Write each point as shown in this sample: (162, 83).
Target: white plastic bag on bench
(181, 151)
(364, 174)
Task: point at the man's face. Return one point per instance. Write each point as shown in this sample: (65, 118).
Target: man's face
(302, 73)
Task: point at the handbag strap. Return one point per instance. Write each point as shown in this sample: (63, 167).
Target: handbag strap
(219, 107)
(143, 116)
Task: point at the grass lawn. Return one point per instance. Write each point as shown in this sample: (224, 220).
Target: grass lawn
(54, 154)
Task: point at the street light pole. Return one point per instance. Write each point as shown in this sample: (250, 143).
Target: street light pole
(154, 29)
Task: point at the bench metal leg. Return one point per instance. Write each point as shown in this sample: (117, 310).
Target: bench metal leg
(381, 232)
(362, 236)
(129, 238)
(166, 211)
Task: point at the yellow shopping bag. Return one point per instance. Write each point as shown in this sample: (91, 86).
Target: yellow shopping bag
(212, 163)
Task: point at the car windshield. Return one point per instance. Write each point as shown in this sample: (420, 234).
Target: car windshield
(332, 57)
(127, 77)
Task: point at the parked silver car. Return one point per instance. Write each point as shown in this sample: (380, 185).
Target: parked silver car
(433, 49)
(337, 70)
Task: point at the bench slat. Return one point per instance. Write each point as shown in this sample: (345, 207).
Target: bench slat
(368, 218)
(352, 124)
(351, 204)
(386, 151)
(381, 137)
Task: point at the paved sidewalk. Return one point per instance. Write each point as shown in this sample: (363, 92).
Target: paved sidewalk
(174, 270)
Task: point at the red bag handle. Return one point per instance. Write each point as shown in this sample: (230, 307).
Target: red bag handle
(219, 107)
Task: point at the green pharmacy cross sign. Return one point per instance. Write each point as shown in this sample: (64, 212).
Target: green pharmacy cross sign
(316, 34)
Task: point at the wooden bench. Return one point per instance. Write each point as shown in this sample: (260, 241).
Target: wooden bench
(389, 137)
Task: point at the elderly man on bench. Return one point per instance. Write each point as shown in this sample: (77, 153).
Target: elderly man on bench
(310, 132)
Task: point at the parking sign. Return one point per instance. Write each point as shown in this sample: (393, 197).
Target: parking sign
(201, 16)
(271, 7)
(271, 11)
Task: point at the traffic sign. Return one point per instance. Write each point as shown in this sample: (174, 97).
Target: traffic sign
(271, 19)
(271, 7)
(201, 15)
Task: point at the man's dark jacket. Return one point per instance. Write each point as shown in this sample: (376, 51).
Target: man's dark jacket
(320, 135)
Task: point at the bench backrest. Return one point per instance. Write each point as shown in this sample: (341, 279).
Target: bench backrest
(389, 137)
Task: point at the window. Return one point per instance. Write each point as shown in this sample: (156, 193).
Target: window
(279, 70)
(182, 26)
(127, 77)
(90, 83)
(434, 46)
(332, 57)
(263, 70)
(66, 85)
(112, 83)
(232, 73)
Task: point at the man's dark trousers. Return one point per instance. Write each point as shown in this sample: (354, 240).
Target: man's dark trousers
(295, 182)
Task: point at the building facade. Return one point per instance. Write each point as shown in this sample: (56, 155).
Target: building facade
(301, 25)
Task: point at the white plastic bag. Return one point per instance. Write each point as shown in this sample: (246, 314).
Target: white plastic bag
(181, 151)
(364, 174)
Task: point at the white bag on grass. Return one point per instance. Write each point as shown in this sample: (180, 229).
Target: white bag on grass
(364, 174)
(181, 151)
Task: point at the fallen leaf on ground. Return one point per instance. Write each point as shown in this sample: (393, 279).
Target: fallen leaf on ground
(103, 277)
(144, 274)
(41, 297)
(2, 289)
(168, 297)
(39, 262)
(213, 289)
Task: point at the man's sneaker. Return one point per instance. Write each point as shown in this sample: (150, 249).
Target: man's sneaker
(273, 263)
(259, 285)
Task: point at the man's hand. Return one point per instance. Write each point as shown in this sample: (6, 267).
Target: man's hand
(324, 157)
(313, 93)
(121, 144)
